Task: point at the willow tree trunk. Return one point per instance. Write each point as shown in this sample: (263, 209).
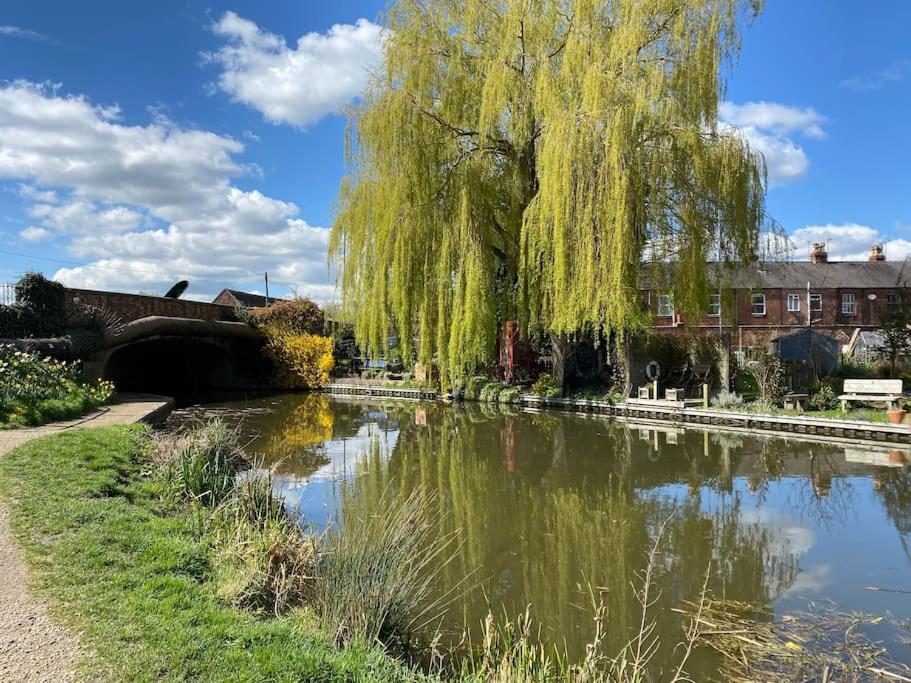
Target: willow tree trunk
(559, 350)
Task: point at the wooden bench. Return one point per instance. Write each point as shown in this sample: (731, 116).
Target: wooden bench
(886, 391)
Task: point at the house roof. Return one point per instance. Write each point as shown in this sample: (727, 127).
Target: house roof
(248, 299)
(835, 274)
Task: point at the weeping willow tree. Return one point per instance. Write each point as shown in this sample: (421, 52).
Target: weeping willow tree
(536, 160)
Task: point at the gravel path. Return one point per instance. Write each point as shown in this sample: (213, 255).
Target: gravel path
(32, 646)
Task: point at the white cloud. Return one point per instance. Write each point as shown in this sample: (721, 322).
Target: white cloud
(812, 580)
(769, 128)
(848, 242)
(17, 32)
(148, 204)
(35, 234)
(299, 85)
(897, 71)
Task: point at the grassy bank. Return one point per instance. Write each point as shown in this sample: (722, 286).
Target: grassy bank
(133, 570)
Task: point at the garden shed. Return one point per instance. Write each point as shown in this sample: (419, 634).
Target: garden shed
(808, 347)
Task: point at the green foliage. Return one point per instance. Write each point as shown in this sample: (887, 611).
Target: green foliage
(473, 387)
(491, 392)
(45, 298)
(34, 390)
(204, 463)
(516, 162)
(728, 400)
(133, 574)
(17, 322)
(824, 398)
(509, 395)
(547, 387)
(301, 316)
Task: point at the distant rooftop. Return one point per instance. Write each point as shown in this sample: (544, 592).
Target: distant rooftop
(247, 299)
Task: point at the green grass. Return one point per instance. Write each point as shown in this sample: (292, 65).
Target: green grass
(133, 573)
(859, 414)
(47, 410)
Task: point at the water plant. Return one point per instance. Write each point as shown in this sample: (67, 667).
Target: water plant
(376, 581)
(203, 463)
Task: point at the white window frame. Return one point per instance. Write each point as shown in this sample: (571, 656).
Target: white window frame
(753, 303)
(665, 306)
(714, 306)
(793, 303)
(848, 304)
(818, 299)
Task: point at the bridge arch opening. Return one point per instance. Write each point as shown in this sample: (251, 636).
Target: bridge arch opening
(184, 368)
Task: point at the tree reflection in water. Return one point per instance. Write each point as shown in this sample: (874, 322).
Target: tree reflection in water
(537, 523)
(546, 504)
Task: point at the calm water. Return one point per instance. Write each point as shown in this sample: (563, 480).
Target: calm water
(547, 503)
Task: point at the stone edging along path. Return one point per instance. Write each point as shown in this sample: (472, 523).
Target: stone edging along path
(847, 431)
(32, 646)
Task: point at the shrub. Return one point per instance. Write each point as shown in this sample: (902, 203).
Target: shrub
(473, 387)
(768, 372)
(727, 400)
(302, 361)
(547, 387)
(510, 395)
(301, 316)
(377, 578)
(824, 398)
(17, 322)
(45, 299)
(491, 392)
(204, 462)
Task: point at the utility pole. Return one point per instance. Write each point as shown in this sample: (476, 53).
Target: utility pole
(267, 288)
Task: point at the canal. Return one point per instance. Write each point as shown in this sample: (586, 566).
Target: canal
(547, 504)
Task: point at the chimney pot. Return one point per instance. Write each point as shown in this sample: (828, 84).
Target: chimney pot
(819, 253)
(876, 253)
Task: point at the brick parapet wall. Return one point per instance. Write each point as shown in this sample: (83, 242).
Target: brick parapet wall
(131, 307)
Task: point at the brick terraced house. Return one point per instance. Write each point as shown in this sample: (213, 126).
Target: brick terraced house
(837, 298)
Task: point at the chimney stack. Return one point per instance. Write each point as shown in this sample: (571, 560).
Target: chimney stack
(819, 253)
(876, 253)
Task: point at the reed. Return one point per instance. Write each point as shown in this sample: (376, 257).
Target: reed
(202, 464)
(377, 579)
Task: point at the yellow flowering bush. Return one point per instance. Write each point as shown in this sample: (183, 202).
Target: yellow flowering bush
(34, 389)
(302, 361)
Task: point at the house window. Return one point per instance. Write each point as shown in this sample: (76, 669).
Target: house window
(816, 303)
(848, 306)
(758, 304)
(665, 306)
(715, 305)
(793, 303)
(892, 298)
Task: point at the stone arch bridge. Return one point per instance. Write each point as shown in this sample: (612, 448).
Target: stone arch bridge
(172, 346)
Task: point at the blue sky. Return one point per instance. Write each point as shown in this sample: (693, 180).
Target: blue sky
(141, 143)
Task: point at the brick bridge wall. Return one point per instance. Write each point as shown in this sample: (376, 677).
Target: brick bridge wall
(135, 306)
